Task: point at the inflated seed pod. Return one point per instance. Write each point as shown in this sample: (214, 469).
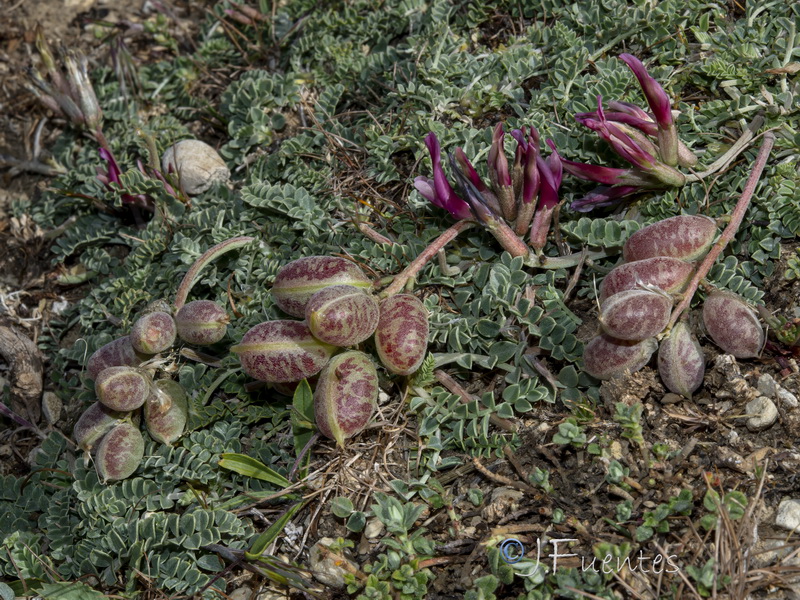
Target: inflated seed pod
(282, 351)
(300, 279)
(733, 325)
(605, 357)
(197, 165)
(117, 353)
(166, 411)
(122, 388)
(201, 322)
(401, 338)
(342, 315)
(119, 453)
(345, 395)
(687, 237)
(669, 274)
(681, 362)
(153, 332)
(93, 424)
(636, 314)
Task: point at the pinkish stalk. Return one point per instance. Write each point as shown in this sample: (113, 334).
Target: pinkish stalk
(730, 231)
(433, 248)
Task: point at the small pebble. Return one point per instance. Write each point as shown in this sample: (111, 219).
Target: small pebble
(326, 568)
(373, 528)
(671, 398)
(788, 515)
(764, 414)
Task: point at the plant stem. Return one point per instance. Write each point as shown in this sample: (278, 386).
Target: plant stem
(734, 151)
(730, 231)
(540, 261)
(416, 265)
(194, 271)
(455, 388)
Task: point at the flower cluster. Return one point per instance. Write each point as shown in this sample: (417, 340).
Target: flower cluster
(648, 141)
(520, 198)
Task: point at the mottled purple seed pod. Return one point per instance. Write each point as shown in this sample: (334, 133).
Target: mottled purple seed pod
(733, 325)
(681, 362)
(401, 338)
(300, 279)
(636, 314)
(122, 388)
(202, 322)
(166, 411)
(686, 237)
(345, 396)
(605, 357)
(342, 315)
(93, 424)
(117, 353)
(119, 453)
(282, 351)
(669, 274)
(153, 333)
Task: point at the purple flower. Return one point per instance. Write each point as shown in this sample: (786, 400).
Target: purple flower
(500, 176)
(550, 173)
(438, 190)
(660, 105)
(112, 175)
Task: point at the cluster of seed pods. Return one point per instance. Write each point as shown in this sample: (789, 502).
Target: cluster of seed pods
(127, 393)
(332, 296)
(636, 302)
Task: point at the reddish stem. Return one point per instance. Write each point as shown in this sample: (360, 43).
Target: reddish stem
(416, 265)
(730, 231)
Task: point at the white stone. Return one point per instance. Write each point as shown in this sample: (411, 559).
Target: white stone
(764, 413)
(766, 385)
(373, 528)
(196, 164)
(788, 515)
(326, 568)
(786, 397)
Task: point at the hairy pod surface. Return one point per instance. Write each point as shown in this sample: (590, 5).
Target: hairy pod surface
(732, 324)
(119, 453)
(342, 315)
(117, 353)
(687, 237)
(153, 333)
(93, 424)
(669, 274)
(605, 357)
(636, 314)
(201, 322)
(300, 279)
(282, 352)
(122, 388)
(346, 395)
(166, 411)
(681, 362)
(401, 338)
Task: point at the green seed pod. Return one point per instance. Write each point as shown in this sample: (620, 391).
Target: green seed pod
(122, 388)
(681, 362)
(300, 279)
(93, 424)
(342, 315)
(686, 237)
(605, 357)
(166, 411)
(282, 351)
(636, 314)
(346, 396)
(153, 333)
(733, 325)
(119, 453)
(401, 338)
(670, 274)
(117, 353)
(201, 322)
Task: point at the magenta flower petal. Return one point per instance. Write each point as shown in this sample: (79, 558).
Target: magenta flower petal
(443, 195)
(469, 170)
(498, 164)
(424, 186)
(657, 98)
(603, 196)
